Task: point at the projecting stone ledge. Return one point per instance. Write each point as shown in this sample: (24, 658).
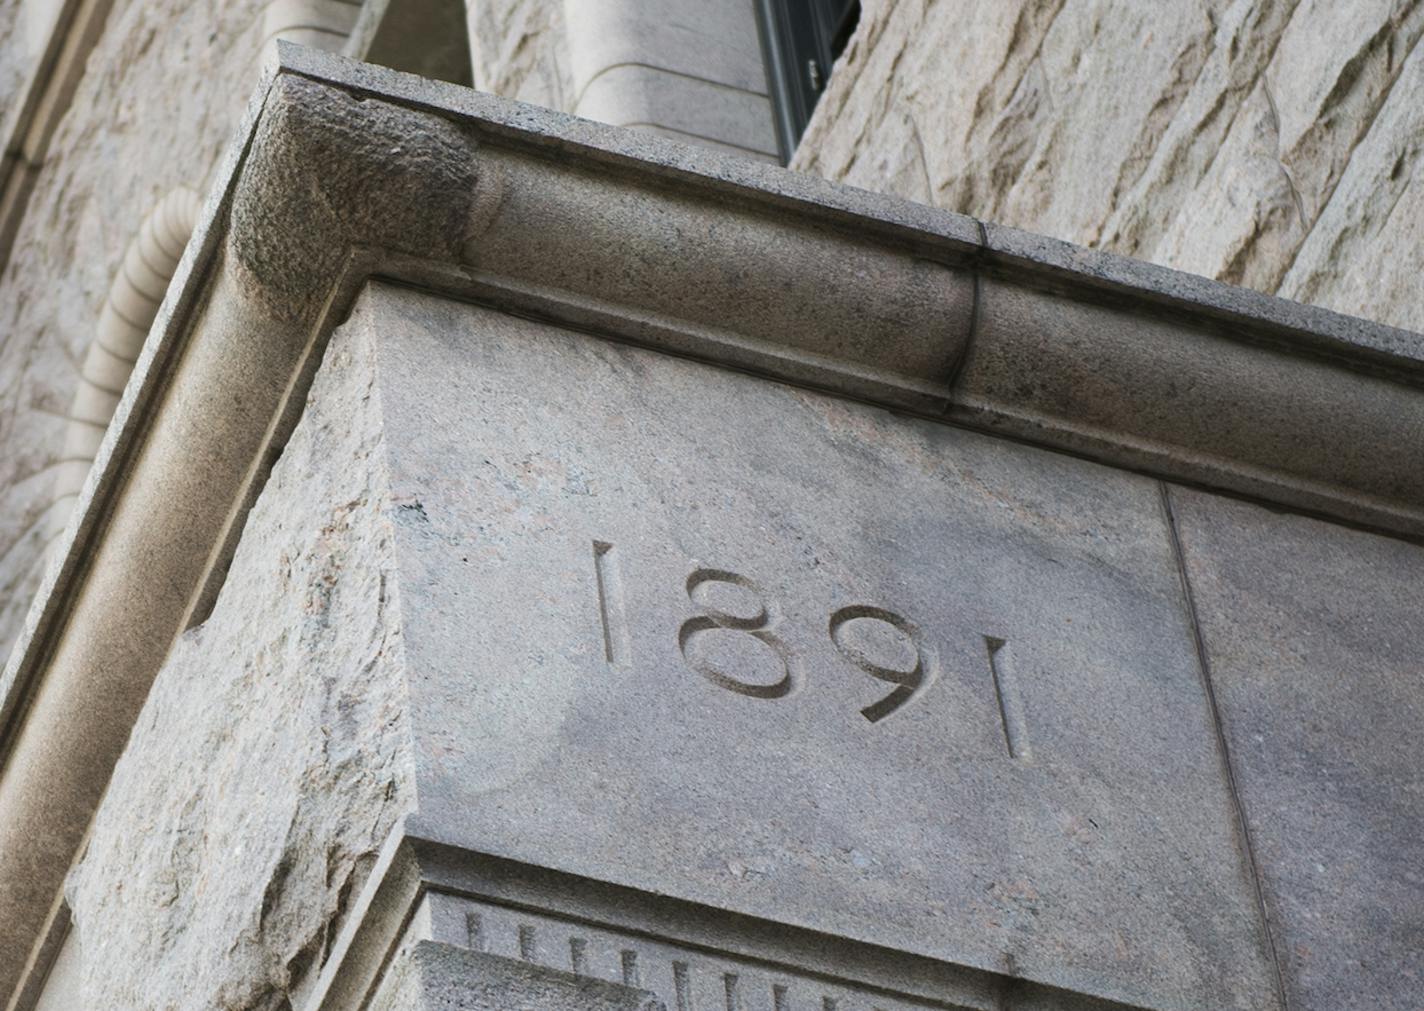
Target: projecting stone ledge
(792, 677)
(353, 170)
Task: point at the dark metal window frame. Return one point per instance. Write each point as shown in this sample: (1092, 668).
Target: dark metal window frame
(800, 40)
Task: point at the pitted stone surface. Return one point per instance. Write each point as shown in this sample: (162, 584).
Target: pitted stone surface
(1313, 638)
(272, 757)
(708, 636)
(333, 165)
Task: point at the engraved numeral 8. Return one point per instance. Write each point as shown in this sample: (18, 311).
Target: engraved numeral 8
(909, 683)
(757, 625)
(729, 602)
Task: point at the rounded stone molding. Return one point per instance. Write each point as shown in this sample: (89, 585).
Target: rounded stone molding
(353, 173)
(320, 24)
(124, 321)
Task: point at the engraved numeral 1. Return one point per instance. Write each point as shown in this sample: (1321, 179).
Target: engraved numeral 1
(610, 604)
(1006, 691)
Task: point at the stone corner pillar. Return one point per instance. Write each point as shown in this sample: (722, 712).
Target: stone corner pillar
(764, 595)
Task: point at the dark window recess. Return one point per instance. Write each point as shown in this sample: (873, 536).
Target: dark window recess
(800, 40)
(425, 37)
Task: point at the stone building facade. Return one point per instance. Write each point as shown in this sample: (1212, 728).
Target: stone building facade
(458, 555)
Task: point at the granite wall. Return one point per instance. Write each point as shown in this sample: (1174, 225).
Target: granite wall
(272, 757)
(1267, 143)
(1270, 144)
(164, 88)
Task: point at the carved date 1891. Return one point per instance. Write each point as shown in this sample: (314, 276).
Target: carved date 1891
(863, 634)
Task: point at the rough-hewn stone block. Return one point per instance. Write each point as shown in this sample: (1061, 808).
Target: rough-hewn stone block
(1261, 142)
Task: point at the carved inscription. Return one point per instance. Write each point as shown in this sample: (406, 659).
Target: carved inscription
(610, 604)
(1006, 691)
(908, 683)
(755, 620)
(875, 640)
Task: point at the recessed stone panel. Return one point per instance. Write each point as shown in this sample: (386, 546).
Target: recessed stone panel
(1315, 638)
(694, 632)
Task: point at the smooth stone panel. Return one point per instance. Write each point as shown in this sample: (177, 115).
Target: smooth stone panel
(1315, 641)
(635, 95)
(714, 40)
(698, 633)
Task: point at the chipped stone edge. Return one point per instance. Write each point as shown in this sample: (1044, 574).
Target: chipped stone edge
(264, 295)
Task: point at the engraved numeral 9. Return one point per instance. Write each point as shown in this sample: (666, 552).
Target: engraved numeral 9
(908, 683)
(729, 602)
(757, 621)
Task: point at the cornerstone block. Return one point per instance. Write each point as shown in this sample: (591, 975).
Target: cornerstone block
(697, 633)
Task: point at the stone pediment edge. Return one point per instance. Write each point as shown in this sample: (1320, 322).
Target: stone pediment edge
(342, 172)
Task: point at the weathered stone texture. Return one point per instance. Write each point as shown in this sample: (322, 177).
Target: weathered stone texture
(562, 546)
(15, 54)
(1364, 254)
(164, 87)
(1261, 142)
(519, 51)
(271, 759)
(25, 28)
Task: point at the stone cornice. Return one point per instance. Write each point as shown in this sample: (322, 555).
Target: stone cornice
(343, 172)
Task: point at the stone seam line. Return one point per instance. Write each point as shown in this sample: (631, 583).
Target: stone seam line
(1243, 826)
(662, 245)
